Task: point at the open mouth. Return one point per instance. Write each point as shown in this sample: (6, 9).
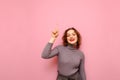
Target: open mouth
(71, 40)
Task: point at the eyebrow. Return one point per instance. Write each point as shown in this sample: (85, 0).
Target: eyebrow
(71, 33)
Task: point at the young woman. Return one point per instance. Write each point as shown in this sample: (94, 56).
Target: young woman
(70, 58)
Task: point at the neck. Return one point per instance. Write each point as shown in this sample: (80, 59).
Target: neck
(73, 45)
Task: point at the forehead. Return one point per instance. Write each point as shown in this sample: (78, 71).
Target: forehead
(70, 31)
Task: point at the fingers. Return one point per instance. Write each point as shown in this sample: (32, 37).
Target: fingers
(55, 33)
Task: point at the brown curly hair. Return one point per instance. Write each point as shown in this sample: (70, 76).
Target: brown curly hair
(64, 38)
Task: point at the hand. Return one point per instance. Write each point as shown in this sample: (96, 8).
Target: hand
(54, 36)
(55, 33)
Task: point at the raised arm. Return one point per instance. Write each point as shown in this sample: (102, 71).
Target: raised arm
(48, 52)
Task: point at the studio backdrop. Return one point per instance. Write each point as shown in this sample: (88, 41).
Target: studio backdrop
(25, 29)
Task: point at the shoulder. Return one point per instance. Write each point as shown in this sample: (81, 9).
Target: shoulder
(81, 53)
(60, 46)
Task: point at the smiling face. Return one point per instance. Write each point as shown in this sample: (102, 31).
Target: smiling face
(71, 37)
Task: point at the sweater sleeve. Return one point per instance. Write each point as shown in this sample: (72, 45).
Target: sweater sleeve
(48, 52)
(82, 68)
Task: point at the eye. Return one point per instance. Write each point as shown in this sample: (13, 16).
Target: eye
(73, 34)
(68, 35)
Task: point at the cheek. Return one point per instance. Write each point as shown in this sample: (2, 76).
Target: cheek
(76, 37)
(68, 38)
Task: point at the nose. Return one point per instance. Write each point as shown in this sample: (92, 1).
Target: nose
(71, 36)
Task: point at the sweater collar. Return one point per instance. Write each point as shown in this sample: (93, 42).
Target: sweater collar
(72, 47)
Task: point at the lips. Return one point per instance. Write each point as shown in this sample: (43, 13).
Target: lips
(72, 39)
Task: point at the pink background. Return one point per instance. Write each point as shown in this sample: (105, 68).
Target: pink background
(25, 27)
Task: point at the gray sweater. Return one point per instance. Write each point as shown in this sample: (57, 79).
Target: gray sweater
(70, 59)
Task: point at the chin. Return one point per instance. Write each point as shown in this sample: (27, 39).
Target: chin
(72, 43)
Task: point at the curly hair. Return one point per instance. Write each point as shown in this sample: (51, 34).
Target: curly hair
(64, 38)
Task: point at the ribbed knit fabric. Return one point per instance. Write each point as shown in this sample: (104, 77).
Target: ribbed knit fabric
(70, 59)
